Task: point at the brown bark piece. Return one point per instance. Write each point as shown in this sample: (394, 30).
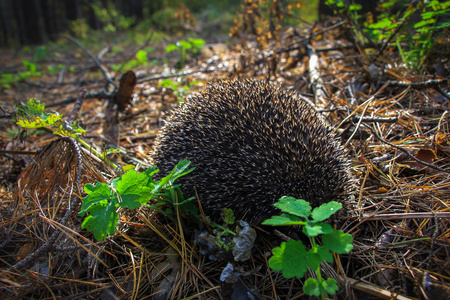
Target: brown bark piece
(126, 87)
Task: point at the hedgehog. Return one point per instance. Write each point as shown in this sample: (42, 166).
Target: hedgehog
(252, 143)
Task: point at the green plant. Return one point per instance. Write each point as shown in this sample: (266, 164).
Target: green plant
(55, 69)
(191, 47)
(229, 238)
(7, 79)
(34, 116)
(131, 190)
(178, 89)
(110, 17)
(293, 259)
(415, 40)
(141, 59)
(79, 28)
(40, 54)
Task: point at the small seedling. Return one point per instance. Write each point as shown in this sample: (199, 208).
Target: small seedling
(293, 259)
(33, 115)
(190, 47)
(179, 90)
(141, 60)
(7, 79)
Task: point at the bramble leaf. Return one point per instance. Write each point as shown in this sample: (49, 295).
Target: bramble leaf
(338, 242)
(102, 219)
(96, 193)
(133, 189)
(289, 258)
(324, 211)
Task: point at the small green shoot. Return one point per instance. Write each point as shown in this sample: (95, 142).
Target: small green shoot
(230, 238)
(7, 79)
(190, 47)
(141, 60)
(131, 190)
(293, 259)
(178, 89)
(34, 116)
(415, 40)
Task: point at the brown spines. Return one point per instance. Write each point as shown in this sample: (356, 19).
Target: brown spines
(252, 143)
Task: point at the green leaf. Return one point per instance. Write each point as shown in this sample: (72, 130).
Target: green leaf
(355, 7)
(312, 287)
(228, 216)
(290, 258)
(316, 229)
(141, 56)
(330, 286)
(30, 66)
(313, 260)
(197, 43)
(338, 242)
(151, 171)
(325, 254)
(184, 44)
(171, 48)
(324, 211)
(168, 83)
(283, 220)
(96, 193)
(180, 170)
(32, 115)
(133, 189)
(424, 23)
(33, 106)
(294, 206)
(102, 219)
(384, 23)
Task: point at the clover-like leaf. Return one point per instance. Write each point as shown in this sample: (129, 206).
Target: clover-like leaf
(338, 242)
(312, 287)
(290, 258)
(325, 254)
(316, 229)
(324, 211)
(283, 220)
(330, 286)
(294, 206)
(171, 47)
(313, 260)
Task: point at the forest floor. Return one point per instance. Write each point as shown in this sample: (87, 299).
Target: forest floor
(394, 125)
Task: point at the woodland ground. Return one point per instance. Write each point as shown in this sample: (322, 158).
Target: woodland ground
(393, 123)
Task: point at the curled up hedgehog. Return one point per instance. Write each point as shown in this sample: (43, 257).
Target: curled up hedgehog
(252, 143)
